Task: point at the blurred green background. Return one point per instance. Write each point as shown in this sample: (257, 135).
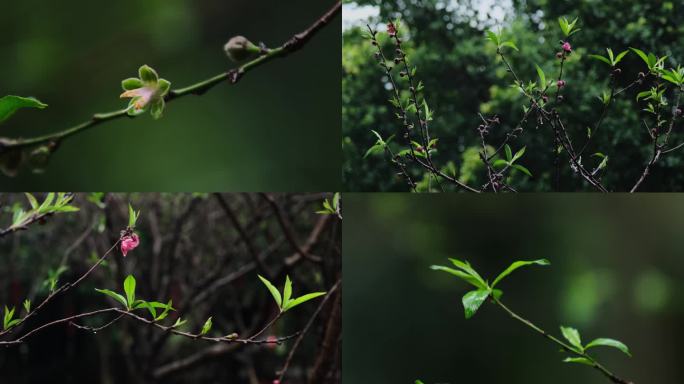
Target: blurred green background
(617, 271)
(445, 40)
(278, 129)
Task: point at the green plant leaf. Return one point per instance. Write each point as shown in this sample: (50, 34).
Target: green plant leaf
(493, 37)
(7, 319)
(129, 288)
(206, 327)
(273, 290)
(179, 322)
(601, 58)
(302, 299)
(516, 265)
(287, 291)
(542, 76)
(114, 295)
(510, 44)
(10, 104)
(643, 56)
(578, 360)
(509, 153)
(620, 56)
(27, 305)
(473, 300)
(573, 337)
(466, 267)
(522, 169)
(518, 154)
(132, 216)
(466, 277)
(609, 343)
(32, 200)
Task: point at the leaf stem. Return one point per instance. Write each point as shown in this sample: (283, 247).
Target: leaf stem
(611, 376)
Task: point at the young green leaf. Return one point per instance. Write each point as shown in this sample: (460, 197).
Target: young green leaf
(273, 290)
(302, 299)
(542, 76)
(609, 343)
(132, 216)
(516, 265)
(493, 37)
(179, 322)
(522, 169)
(27, 305)
(509, 44)
(7, 319)
(601, 58)
(473, 300)
(466, 277)
(619, 57)
(509, 153)
(573, 337)
(643, 56)
(465, 266)
(287, 291)
(578, 360)
(32, 200)
(518, 154)
(10, 104)
(206, 327)
(114, 295)
(129, 288)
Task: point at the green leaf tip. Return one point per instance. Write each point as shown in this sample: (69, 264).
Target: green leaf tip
(10, 104)
(609, 343)
(516, 265)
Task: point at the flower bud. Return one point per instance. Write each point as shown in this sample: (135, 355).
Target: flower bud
(567, 47)
(239, 48)
(559, 55)
(560, 83)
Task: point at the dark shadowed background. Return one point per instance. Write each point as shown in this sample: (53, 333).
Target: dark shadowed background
(617, 271)
(262, 134)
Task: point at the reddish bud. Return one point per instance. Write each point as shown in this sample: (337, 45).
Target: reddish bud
(560, 83)
(567, 47)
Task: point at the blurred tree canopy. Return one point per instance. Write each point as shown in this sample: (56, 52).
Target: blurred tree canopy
(462, 76)
(204, 252)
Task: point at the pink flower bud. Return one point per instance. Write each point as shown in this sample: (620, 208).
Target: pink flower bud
(128, 243)
(272, 342)
(276, 381)
(567, 47)
(560, 83)
(391, 29)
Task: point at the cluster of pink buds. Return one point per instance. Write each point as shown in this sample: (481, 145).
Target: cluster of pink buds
(566, 49)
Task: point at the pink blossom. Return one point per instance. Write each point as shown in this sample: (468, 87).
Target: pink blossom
(276, 381)
(560, 83)
(391, 29)
(128, 243)
(142, 96)
(567, 47)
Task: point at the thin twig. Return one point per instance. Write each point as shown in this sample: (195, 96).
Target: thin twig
(292, 45)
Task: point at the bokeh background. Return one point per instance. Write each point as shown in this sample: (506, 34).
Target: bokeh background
(262, 134)
(445, 41)
(190, 251)
(617, 271)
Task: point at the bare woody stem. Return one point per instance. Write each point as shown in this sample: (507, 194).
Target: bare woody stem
(292, 45)
(62, 289)
(123, 312)
(611, 376)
